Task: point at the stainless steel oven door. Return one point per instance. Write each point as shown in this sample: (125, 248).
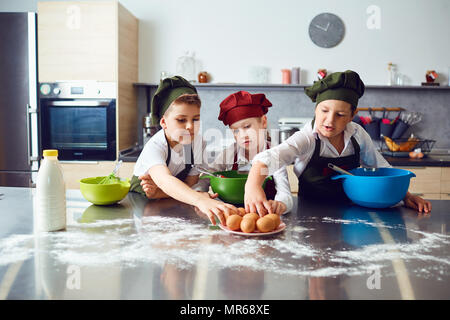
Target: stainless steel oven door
(80, 129)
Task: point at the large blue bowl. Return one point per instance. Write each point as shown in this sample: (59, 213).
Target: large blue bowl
(381, 188)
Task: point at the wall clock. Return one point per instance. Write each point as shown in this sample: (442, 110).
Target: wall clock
(326, 30)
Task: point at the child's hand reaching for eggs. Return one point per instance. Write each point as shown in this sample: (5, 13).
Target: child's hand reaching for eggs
(278, 207)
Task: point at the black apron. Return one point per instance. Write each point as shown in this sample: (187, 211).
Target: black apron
(315, 181)
(270, 189)
(135, 183)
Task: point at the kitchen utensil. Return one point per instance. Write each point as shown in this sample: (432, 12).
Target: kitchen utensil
(113, 174)
(230, 190)
(400, 129)
(210, 173)
(387, 125)
(382, 188)
(255, 233)
(373, 126)
(103, 194)
(338, 169)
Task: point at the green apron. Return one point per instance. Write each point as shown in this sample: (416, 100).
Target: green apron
(136, 183)
(315, 181)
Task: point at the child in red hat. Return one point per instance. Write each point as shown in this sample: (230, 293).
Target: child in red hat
(245, 114)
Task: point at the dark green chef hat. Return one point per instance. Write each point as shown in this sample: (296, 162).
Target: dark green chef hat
(346, 86)
(168, 91)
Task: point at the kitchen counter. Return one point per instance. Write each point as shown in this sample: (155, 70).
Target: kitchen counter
(164, 249)
(432, 160)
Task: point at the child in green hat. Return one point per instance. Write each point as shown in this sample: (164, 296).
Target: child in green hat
(165, 166)
(332, 137)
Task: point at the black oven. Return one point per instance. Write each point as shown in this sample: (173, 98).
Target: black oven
(79, 120)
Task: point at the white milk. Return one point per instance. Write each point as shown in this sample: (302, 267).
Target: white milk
(50, 195)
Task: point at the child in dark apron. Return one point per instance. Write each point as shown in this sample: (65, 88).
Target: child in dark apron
(332, 137)
(165, 174)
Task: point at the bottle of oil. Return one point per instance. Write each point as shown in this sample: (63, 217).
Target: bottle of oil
(50, 212)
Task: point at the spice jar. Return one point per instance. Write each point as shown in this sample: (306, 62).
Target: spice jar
(203, 77)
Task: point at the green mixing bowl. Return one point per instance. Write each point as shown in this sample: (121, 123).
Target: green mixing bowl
(231, 189)
(103, 194)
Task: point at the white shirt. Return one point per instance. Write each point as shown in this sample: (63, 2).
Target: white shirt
(300, 148)
(225, 161)
(155, 152)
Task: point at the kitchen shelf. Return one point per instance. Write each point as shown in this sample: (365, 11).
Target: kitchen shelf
(290, 86)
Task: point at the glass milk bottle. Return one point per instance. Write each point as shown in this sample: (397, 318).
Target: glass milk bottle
(50, 214)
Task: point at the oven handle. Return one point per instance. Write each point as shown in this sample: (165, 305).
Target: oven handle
(78, 103)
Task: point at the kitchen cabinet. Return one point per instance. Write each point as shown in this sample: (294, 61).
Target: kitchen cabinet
(429, 182)
(98, 41)
(95, 40)
(445, 184)
(84, 40)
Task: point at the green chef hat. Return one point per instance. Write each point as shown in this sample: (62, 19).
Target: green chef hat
(346, 86)
(168, 91)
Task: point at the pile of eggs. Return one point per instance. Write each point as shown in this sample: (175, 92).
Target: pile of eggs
(249, 222)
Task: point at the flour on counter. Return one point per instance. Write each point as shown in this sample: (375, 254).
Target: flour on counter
(17, 247)
(168, 240)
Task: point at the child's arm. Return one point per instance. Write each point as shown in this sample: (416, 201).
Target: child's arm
(178, 190)
(269, 161)
(283, 195)
(255, 198)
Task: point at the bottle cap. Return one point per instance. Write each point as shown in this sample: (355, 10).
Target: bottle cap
(50, 153)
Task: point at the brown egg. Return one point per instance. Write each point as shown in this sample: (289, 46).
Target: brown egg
(265, 224)
(234, 222)
(276, 219)
(248, 225)
(241, 211)
(251, 215)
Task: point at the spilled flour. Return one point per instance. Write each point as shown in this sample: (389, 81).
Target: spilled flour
(162, 240)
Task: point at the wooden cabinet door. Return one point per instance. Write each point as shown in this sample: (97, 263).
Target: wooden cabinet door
(77, 40)
(427, 180)
(445, 183)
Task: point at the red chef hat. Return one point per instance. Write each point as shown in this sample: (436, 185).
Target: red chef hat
(242, 105)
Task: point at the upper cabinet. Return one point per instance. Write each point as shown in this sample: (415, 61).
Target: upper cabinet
(86, 40)
(92, 40)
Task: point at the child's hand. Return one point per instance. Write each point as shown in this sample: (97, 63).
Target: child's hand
(149, 186)
(417, 203)
(256, 201)
(212, 208)
(278, 207)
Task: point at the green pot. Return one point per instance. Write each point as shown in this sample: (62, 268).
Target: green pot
(103, 194)
(231, 189)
